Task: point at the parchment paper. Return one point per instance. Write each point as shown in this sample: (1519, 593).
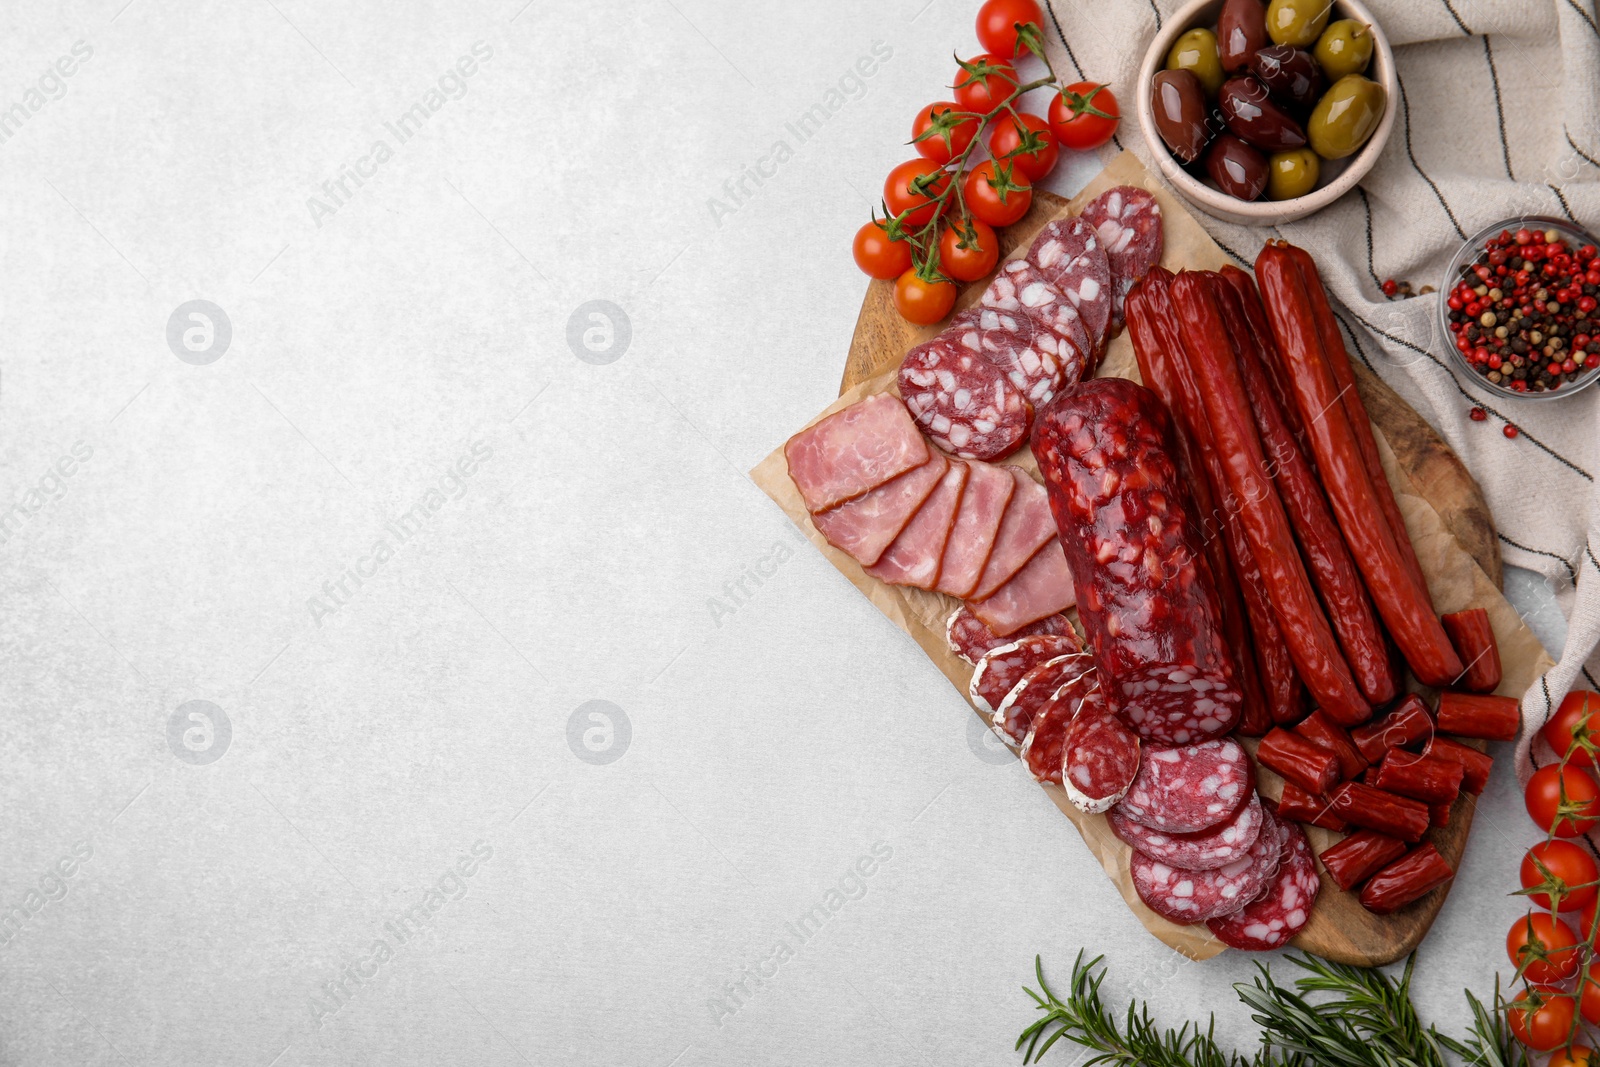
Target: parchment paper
(1454, 578)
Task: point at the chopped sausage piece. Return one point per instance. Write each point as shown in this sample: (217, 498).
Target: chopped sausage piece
(1299, 761)
(1283, 910)
(1313, 810)
(1215, 847)
(1320, 729)
(1147, 606)
(1475, 765)
(1489, 717)
(854, 450)
(1412, 877)
(1360, 856)
(915, 556)
(983, 505)
(866, 526)
(1365, 805)
(1407, 724)
(1473, 638)
(1425, 778)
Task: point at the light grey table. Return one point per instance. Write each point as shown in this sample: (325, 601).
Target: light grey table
(398, 665)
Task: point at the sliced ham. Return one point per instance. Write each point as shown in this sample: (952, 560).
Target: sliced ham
(915, 556)
(854, 450)
(866, 526)
(983, 505)
(1042, 588)
(1026, 526)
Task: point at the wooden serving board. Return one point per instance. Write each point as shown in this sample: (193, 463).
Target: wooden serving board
(1422, 466)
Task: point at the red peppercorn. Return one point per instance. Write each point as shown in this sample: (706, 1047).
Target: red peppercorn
(1389, 287)
(1494, 362)
(1586, 304)
(1523, 237)
(1568, 366)
(1510, 430)
(1478, 414)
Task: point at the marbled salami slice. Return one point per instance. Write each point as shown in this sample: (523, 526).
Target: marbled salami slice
(983, 505)
(1014, 715)
(867, 525)
(1101, 755)
(915, 556)
(1002, 668)
(963, 403)
(1069, 254)
(1045, 748)
(1128, 222)
(853, 450)
(1188, 788)
(1284, 909)
(1022, 343)
(1189, 896)
(1055, 353)
(1204, 851)
(970, 639)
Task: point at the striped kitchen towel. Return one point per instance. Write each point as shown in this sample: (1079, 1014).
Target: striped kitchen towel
(1499, 116)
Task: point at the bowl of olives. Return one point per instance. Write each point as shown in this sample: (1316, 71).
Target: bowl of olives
(1264, 111)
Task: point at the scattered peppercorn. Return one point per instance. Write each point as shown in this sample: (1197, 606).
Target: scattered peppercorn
(1521, 311)
(1389, 287)
(1510, 430)
(1478, 414)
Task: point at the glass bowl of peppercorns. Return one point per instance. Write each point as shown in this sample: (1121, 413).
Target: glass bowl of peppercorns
(1519, 307)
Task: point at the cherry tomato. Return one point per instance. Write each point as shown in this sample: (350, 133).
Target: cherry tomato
(998, 195)
(1577, 814)
(968, 264)
(986, 85)
(1576, 707)
(997, 23)
(878, 256)
(1576, 1056)
(1541, 1027)
(921, 302)
(1589, 994)
(1567, 863)
(1038, 158)
(899, 194)
(950, 135)
(1084, 115)
(1549, 937)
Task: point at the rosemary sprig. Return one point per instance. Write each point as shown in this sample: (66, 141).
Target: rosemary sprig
(1334, 1015)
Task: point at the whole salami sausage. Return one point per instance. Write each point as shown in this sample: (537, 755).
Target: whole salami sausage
(1153, 330)
(1259, 510)
(1147, 607)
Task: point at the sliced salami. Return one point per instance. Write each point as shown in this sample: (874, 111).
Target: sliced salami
(1036, 359)
(963, 403)
(1054, 331)
(1128, 222)
(970, 639)
(1069, 254)
(1002, 668)
(1204, 851)
(1189, 788)
(1014, 715)
(1284, 909)
(1044, 750)
(867, 525)
(1190, 896)
(1148, 606)
(915, 556)
(1101, 757)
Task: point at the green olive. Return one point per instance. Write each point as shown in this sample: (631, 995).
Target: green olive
(1292, 173)
(1346, 116)
(1197, 51)
(1345, 47)
(1297, 22)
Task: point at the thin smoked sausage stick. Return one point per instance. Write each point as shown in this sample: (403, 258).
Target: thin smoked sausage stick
(1350, 610)
(1401, 601)
(1360, 423)
(1259, 511)
(1153, 332)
